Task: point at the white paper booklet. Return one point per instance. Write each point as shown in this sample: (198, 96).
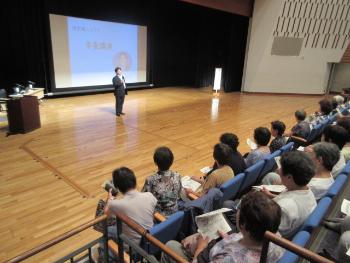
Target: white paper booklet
(271, 188)
(301, 148)
(252, 145)
(345, 207)
(209, 223)
(187, 182)
(206, 170)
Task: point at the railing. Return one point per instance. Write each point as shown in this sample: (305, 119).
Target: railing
(63, 237)
(144, 233)
(136, 252)
(288, 245)
(115, 248)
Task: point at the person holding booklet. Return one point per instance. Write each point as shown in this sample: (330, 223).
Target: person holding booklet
(222, 156)
(165, 184)
(297, 201)
(256, 214)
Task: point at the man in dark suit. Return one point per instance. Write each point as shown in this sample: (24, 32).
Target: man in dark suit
(119, 91)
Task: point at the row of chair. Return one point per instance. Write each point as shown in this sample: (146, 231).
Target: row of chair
(169, 229)
(316, 217)
(243, 182)
(318, 129)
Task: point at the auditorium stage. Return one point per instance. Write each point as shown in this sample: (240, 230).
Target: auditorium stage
(50, 179)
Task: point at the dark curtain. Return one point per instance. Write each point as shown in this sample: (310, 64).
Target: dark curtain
(185, 42)
(24, 50)
(222, 42)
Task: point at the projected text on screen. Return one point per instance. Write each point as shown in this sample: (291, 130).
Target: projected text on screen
(86, 51)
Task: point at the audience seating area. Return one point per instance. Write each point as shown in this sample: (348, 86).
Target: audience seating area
(241, 184)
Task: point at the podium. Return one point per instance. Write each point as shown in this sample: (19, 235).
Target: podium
(23, 114)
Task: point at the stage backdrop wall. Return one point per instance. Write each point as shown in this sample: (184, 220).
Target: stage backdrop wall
(185, 42)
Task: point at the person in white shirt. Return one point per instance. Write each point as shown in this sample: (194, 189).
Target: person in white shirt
(297, 201)
(325, 155)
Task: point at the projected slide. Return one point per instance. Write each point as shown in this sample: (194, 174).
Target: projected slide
(86, 51)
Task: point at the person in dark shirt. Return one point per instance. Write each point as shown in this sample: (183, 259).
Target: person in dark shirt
(236, 162)
(277, 131)
(302, 128)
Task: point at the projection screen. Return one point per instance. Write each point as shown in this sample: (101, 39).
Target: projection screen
(85, 51)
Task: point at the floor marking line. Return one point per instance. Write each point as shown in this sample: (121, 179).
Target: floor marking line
(47, 165)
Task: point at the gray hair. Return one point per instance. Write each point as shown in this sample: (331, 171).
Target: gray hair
(328, 152)
(338, 99)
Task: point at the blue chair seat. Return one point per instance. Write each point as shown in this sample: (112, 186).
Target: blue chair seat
(251, 176)
(164, 231)
(300, 239)
(230, 189)
(317, 215)
(315, 132)
(287, 147)
(346, 169)
(270, 164)
(337, 185)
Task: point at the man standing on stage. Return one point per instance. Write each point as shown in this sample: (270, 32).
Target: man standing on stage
(119, 91)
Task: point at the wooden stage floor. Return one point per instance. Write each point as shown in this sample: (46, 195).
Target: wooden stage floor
(45, 174)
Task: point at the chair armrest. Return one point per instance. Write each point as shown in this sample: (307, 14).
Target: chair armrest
(159, 217)
(299, 139)
(193, 196)
(114, 248)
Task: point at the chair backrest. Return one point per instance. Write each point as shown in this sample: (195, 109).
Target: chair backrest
(317, 215)
(300, 239)
(230, 189)
(287, 147)
(337, 185)
(346, 169)
(165, 231)
(324, 124)
(270, 164)
(315, 132)
(251, 176)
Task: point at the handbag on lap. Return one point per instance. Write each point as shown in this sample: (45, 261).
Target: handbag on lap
(111, 221)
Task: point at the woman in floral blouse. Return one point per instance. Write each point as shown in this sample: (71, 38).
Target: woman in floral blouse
(165, 184)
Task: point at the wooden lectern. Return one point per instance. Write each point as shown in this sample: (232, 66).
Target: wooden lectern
(23, 114)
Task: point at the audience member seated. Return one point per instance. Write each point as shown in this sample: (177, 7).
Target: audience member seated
(236, 162)
(325, 109)
(297, 201)
(140, 207)
(342, 227)
(262, 138)
(325, 155)
(345, 123)
(277, 131)
(339, 136)
(222, 155)
(337, 103)
(165, 184)
(256, 215)
(302, 128)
